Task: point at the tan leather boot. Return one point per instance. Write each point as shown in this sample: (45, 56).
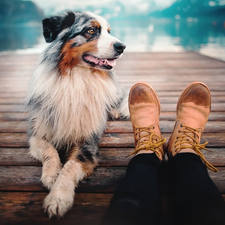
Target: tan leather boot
(144, 109)
(193, 110)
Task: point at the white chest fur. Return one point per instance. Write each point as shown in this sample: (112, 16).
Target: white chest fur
(76, 104)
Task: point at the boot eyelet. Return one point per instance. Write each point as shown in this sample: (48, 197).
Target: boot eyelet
(181, 125)
(177, 137)
(153, 127)
(178, 131)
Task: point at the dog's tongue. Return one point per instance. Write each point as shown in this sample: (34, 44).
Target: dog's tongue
(108, 62)
(100, 62)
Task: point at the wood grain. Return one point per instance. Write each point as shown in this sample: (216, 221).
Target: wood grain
(112, 126)
(108, 157)
(21, 192)
(104, 179)
(108, 139)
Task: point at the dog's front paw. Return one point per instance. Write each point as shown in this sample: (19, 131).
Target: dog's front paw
(114, 114)
(57, 203)
(49, 179)
(50, 174)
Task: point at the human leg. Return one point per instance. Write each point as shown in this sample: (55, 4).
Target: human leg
(137, 198)
(196, 198)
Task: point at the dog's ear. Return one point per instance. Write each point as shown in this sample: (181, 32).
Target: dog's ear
(54, 25)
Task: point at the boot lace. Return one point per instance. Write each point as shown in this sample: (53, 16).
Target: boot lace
(183, 141)
(148, 140)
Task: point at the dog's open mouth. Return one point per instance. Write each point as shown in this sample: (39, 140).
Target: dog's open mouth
(103, 63)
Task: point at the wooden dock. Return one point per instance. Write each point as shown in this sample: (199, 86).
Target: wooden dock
(21, 191)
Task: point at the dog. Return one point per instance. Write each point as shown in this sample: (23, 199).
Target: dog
(70, 96)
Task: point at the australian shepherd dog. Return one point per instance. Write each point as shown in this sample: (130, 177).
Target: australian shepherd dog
(70, 96)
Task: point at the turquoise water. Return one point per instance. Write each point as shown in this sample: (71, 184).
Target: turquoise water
(139, 36)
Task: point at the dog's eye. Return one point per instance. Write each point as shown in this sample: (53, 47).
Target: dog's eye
(91, 31)
(109, 31)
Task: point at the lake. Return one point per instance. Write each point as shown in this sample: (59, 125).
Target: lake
(206, 37)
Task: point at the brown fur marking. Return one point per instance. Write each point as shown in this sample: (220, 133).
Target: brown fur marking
(87, 167)
(95, 24)
(73, 56)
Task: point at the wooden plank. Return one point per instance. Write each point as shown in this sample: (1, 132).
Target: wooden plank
(7, 56)
(108, 157)
(168, 73)
(179, 87)
(163, 99)
(13, 94)
(160, 56)
(159, 79)
(17, 157)
(150, 75)
(26, 208)
(170, 64)
(12, 101)
(142, 64)
(16, 58)
(164, 107)
(169, 99)
(29, 207)
(165, 126)
(168, 116)
(125, 140)
(171, 116)
(13, 126)
(160, 93)
(158, 87)
(13, 140)
(104, 179)
(112, 126)
(163, 74)
(13, 116)
(12, 108)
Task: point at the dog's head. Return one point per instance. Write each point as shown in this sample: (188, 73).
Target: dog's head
(85, 40)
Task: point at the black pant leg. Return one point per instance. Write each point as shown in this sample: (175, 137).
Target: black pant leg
(137, 198)
(197, 200)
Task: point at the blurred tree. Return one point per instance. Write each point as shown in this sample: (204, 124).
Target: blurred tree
(193, 8)
(18, 11)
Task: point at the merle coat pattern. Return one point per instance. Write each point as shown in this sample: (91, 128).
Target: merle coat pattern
(70, 96)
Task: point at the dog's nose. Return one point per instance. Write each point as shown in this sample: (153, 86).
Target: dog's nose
(119, 47)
